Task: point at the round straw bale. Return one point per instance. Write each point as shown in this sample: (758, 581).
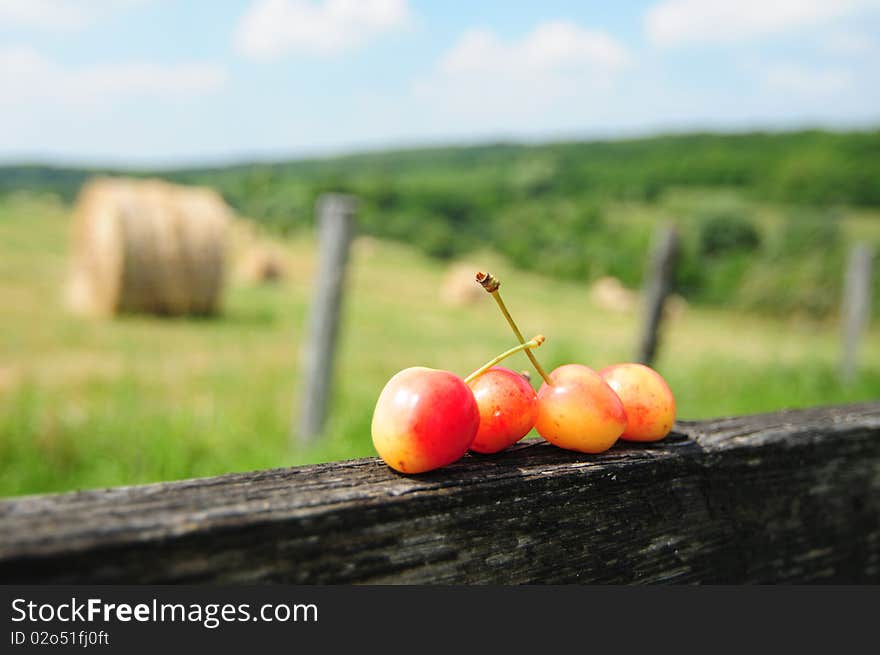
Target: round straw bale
(262, 263)
(674, 306)
(608, 293)
(148, 246)
(460, 287)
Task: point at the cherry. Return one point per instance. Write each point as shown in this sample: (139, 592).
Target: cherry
(647, 399)
(424, 419)
(427, 418)
(508, 408)
(577, 409)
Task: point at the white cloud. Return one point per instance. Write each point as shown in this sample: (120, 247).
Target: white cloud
(551, 46)
(273, 28)
(58, 14)
(558, 60)
(790, 78)
(26, 76)
(848, 44)
(683, 22)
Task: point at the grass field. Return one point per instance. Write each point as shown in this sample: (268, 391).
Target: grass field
(96, 403)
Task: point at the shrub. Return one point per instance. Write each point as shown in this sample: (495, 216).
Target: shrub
(727, 232)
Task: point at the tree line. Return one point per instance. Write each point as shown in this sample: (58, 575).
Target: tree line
(546, 206)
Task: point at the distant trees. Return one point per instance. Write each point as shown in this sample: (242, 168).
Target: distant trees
(544, 206)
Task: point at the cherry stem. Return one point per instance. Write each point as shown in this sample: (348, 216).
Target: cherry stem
(534, 342)
(491, 283)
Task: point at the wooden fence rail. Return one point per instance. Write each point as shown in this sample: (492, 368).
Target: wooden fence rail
(788, 496)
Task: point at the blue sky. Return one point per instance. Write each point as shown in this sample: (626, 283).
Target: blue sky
(162, 82)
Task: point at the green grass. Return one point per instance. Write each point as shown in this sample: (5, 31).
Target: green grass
(96, 403)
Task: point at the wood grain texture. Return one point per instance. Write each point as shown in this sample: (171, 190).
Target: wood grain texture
(790, 496)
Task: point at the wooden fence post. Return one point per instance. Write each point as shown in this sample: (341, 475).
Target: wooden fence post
(335, 213)
(659, 281)
(856, 307)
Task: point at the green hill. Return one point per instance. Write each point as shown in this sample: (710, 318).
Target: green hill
(766, 217)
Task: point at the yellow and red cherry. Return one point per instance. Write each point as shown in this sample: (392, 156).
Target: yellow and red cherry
(427, 418)
(508, 408)
(578, 410)
(424, 419)
(647, 399)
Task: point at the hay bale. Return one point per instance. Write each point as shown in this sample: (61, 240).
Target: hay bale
(262, 263)
(9, 379)
(674, 306)
(609, 294)
(460, 287)
(256, 257)
(147, 246)
(364, 246)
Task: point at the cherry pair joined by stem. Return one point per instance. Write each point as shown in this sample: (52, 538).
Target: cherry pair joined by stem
(587, 411)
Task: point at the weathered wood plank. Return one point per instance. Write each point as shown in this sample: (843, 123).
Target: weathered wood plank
(789, 496)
